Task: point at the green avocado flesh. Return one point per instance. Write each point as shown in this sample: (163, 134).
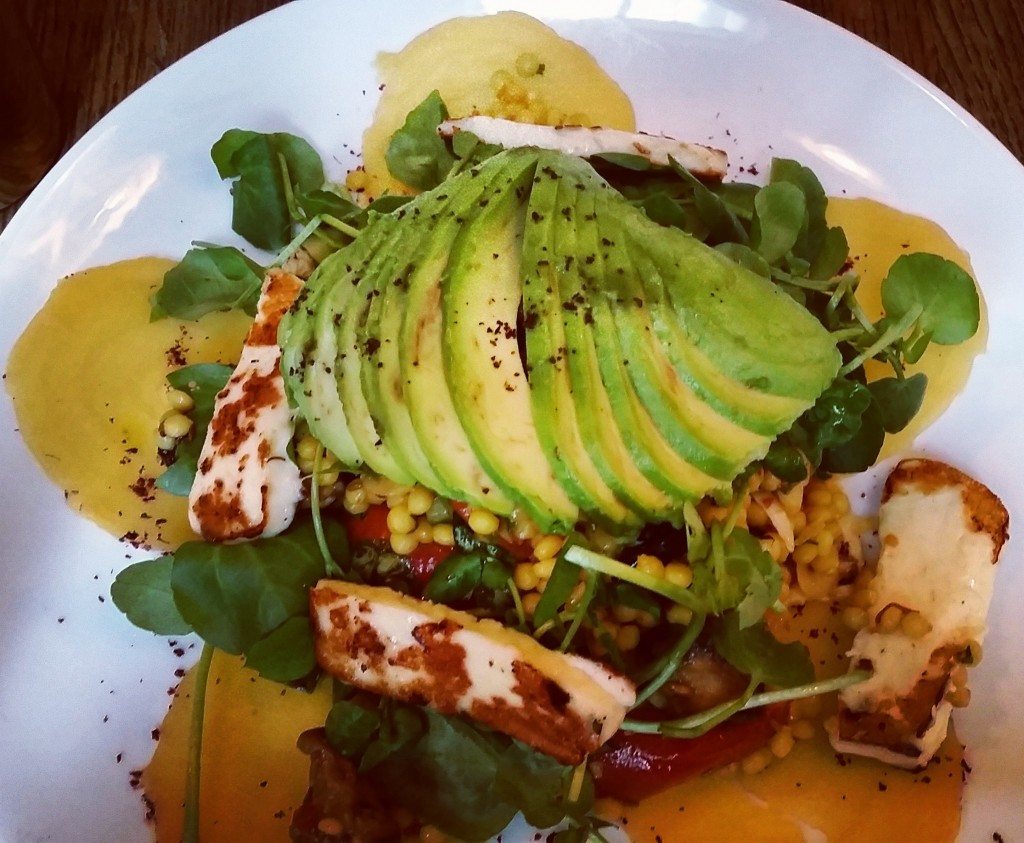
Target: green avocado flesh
(655, 368)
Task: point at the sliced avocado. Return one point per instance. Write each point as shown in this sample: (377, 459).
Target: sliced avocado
(481, 292)
(308, 356)
(343, 313)
(549, 251)
(599, 430)
(652, 454)
(746, 326)
(380, 373)
(420, 355)
(700, 435)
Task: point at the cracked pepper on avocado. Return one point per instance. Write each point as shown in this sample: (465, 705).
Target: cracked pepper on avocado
(529, 463)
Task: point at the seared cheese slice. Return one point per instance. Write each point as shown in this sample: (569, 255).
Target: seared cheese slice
(395, 645)
(941, 534)
(246, 485)
(583, 142)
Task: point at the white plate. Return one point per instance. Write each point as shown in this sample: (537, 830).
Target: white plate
(757, 78)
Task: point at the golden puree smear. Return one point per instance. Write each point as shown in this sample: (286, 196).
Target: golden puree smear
(253, 777)
(87, 378)
(842, 798)
(504, 65)
(878, 235)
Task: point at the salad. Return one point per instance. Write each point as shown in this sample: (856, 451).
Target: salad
(531, 462)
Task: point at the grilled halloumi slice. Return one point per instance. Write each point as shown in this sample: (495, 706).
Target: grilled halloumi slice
(246, 484)
(941, 535)
(582, 141)
(395, 645)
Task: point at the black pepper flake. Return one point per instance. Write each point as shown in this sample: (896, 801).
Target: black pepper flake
(882, 787)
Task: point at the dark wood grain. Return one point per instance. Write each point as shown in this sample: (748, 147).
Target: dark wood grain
(96, 52)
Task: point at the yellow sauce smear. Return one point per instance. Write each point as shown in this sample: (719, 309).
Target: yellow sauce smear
(87, 378)
(810, 790)
(253, 777)
(505, 65)
(878, 235)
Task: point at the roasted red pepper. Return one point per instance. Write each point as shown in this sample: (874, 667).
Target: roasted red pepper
(633, 766)
(372, 526)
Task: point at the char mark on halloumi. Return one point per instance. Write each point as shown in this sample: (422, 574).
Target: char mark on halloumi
(941, 533)
(428, 654)
(246, 485)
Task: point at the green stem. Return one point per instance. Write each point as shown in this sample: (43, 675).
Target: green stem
(297, 241)
(338, 225)
(330, 566)
(591, 561)
(891, 334)
(589, 589)
(517, 601)
(697, 724)
(666, 667)
(289, 194)
(190, 830)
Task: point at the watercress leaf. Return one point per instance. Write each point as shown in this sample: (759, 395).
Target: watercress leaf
(416, 154)
(351, 727)
(206, 280)
(832, 255)
(898, 400)
(779, 208)
(812, 234)
(947, 293)
(915, 346)
(267, 168)
(745, 256)
(663, 209)
(860, 451)
(738, 197)
(722, 223)
(143, 592)
(456, 578)
(836, 416)
(223, 151)
(447, 777)
(627, 161)
(536, 784)
(738, 572)
(317, 202)
(202, 381)
(400, 725)
(285, 654)
(785, 461)
(235, 594)
(753, 650)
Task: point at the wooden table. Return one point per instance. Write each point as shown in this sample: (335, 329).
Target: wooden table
(96, 52)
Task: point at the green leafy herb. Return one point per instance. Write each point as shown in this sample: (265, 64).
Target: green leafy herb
(143, 592)
(202, 381)
(736, 574)
(562, 581)
(780, 211)
(286, 653)
(465, 779)
(947, 295)
(208, 279)
(351, 727)
(416, 154)
(253, 597)
(813, 229)
(270, 170)
(898, 399)
(470, 576)
(753, 650)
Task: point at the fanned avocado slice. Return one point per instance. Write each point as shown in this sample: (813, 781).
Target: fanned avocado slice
(480, 300)
(351, 307)
(703, 437)
(595, 416)
(420, 356)
(380, 372)
(309, 348)
(742, 324)
(549, 252)
(652, 454)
